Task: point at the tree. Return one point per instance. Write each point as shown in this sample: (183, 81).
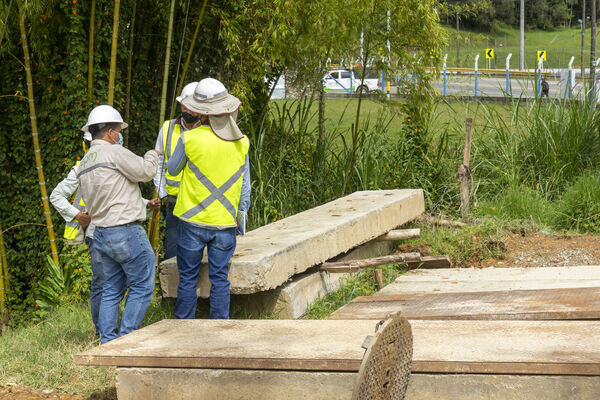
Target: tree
(462, 8)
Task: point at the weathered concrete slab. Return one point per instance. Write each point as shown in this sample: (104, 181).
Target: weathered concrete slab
(500, 347)
(491, 279)
(267, 257)
(293, 298)
(227, 384)
(541, 304)
(219, 384)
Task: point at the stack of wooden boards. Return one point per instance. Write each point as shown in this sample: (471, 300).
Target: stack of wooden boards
(526, 333)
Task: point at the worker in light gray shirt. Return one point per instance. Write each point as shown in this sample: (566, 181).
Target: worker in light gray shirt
(108, 176)
(78, 227)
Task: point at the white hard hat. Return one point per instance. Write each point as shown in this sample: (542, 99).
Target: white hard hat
(103, 114)
(211, 98)
(188, 90)
(208, 88)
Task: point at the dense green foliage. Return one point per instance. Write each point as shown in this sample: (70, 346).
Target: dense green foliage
(485, 14)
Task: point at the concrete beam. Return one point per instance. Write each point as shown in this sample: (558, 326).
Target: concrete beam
(218, 384)
(267, 257)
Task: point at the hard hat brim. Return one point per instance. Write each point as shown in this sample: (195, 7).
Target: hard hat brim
(124, 125)
(220, 105)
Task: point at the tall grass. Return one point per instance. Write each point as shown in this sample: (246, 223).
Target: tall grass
(293, 171)
(541, 146)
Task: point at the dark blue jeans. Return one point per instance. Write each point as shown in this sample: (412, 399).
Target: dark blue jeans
(128, 262)
(97, 282)
(191, 240)
(171, 228)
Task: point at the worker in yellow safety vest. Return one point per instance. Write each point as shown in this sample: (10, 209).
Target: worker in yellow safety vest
(214, 195)
(167, 185)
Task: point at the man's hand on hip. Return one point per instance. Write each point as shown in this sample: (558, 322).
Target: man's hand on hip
(83, 219)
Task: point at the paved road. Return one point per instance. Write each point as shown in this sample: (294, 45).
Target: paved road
(464, 85)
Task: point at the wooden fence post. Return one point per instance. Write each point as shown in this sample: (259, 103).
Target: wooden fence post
(464, 172)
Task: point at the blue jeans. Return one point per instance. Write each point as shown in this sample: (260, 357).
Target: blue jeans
(128, 262)
(191, 240)
(97, 282)
(171, 228)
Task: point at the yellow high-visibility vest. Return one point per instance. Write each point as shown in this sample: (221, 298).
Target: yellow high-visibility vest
(72, 228)
(171, 132)
(211, 184)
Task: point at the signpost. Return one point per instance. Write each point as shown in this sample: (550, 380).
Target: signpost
(541, 55)
(489, 55)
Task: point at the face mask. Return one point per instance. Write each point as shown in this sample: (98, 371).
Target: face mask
(189, 118)
(120, 141)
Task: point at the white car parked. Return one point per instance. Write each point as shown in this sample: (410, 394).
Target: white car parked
(345, 80)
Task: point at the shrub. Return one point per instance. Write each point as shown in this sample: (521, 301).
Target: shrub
(579, 207)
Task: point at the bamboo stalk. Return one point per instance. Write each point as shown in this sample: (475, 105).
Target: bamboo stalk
(4, 262)
(153, 231)
(129, 65)
(113, 55)
(5, 22)
(165, 83)
(91, 50)
(34, 134)
(4, 284)
(189, 56)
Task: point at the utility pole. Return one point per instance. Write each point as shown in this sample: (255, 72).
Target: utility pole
(593, 53)
(389, 60)
(522, 38)
(458, 41)
(583, 42)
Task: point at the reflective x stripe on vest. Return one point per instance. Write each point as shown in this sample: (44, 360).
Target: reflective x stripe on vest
(212, 178)
(216, 193)
(171, 131)
(72, 228)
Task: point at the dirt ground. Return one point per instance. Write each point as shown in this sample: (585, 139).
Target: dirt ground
(530, 250)
(544, 250)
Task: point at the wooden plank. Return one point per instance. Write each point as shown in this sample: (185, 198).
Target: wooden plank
(493, 279)
(544, 304)
(400, 234)
(430, 262)
(355, 265)
(532, 347)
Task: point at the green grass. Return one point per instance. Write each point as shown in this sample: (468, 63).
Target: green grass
(560, 45)
(361, 283)
(41, 355)
(340, 114)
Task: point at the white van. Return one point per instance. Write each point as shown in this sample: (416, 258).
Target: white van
(344, 80)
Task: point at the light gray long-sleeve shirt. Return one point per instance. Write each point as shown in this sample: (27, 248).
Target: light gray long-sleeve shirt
(178, 160)
(60, 200)
(109, 176)
(159, 179)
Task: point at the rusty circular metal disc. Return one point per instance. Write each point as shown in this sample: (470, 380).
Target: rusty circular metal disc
(385, 369)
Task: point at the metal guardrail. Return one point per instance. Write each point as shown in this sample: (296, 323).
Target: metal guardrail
(491, 71)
